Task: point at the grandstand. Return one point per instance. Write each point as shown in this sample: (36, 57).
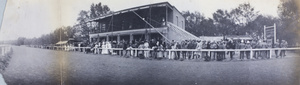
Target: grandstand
(160, 21)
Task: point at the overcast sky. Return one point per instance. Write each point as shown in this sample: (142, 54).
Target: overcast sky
(32, 18)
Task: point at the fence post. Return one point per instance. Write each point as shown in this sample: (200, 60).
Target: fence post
(270, 53)
(135, 53)
(251, 54)
(169, 54)
(192, 55)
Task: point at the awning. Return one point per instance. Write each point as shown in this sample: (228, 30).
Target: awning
(128, 32)
(62, 42)
(242, 37)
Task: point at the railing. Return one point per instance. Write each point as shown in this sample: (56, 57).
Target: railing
(4, 49)
(169, 51)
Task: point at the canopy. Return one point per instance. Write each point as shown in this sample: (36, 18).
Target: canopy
(62, 42)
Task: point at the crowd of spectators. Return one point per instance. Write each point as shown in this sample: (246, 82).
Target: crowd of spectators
(157, 49)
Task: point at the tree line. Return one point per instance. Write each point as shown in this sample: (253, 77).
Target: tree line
(245, 20)
(242, 20)
(78, 31)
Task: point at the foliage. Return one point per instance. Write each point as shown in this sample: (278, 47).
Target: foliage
(289, 13)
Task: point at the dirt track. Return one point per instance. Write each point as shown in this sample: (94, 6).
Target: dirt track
(33, 66)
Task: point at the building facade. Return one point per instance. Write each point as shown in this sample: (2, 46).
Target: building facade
(160, 21)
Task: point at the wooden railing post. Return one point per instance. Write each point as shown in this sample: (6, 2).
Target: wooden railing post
(270, 53)
(251, 54)
(136, 54)
(169, 54)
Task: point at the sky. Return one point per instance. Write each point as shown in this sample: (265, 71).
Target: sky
(2, 7)
(33, 18)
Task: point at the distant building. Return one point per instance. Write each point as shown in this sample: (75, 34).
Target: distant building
(129, 24)
(231, 37)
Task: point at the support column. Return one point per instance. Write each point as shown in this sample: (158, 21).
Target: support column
(265, 32)
(274, 32)
(251, 54)
(166, 21)
(270, 53)
(118, 38)
(131, 38)
(107, 38)
(146, 37)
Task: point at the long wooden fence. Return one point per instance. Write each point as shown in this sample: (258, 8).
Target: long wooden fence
(5, 49)
(169, 51)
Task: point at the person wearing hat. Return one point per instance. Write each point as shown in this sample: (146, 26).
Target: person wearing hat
(242, 46)
(230, 45)
(213, 53)
(283, 44)
(146, 52)
(276, 45)
(248, 46)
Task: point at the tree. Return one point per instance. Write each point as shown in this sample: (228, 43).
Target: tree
(289, 13)
(93, 11)
(21, 40)
(243, 14)
(96, 10)
(223, 21)
(197, 24)
(255, 28)
(82, 20)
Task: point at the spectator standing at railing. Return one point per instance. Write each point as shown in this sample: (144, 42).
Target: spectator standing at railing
(178, 46)
(277, 45)
(173, 47)
(184, 46)
(104, 50)
(96, 48)
(219, 46)
(194, 43)
(146, 52)
(254, 45)
(283, 44)
(222, 45)
(114, 45)
(199, 47)
(152, 45)
(141, 52)
(230, 45)
(248, 46)
(263, 53)
(125, 45)
(164, 47)
(135, 45)
(110, 51)
(209, 53)
(213, 54)
(260, 45)
(189, 46)
(130, 49)
(242, 46)
(154, 51)
(160, 50)
(119, 45)
(204, 46)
